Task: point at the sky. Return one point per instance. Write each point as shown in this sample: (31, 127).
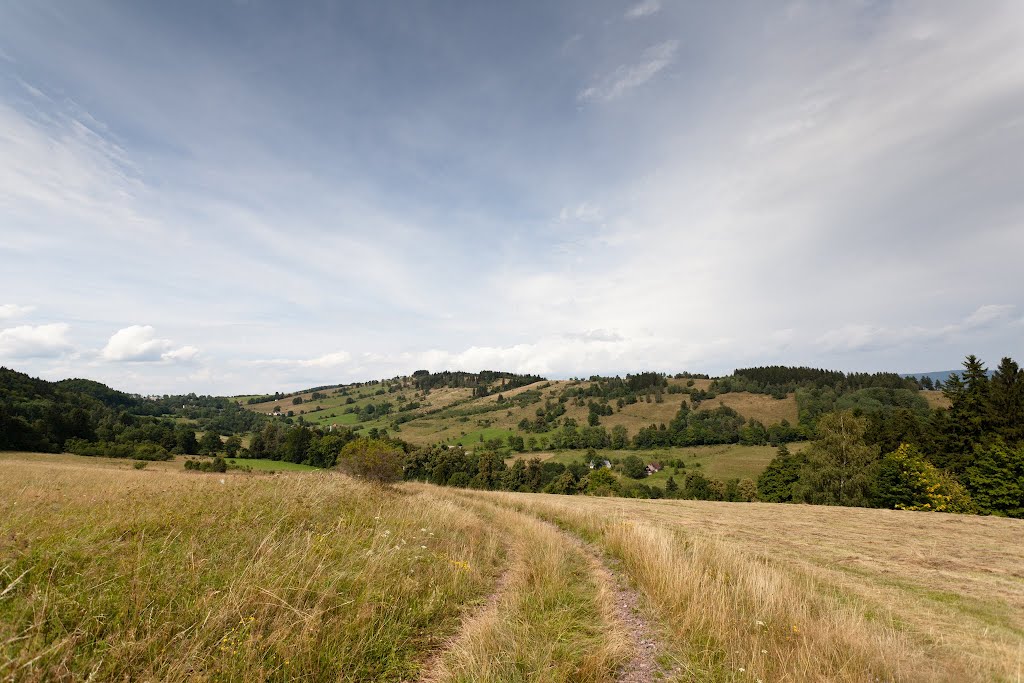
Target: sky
(244, 197)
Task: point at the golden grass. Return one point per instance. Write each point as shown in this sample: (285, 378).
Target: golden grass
(554, 619)
(775, 592)
(760, 407)
(109, 573)
(120, 574)
(936, 399)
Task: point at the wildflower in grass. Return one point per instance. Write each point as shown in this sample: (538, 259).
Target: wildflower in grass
(760, 623)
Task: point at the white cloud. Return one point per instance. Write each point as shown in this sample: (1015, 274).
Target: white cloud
(8, 311)
(138, 343)
(643, 9)
(39, 341)
(626, 77)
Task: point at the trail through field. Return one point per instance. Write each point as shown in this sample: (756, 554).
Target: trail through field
(642, 665)
(433, 670)
(558, 614)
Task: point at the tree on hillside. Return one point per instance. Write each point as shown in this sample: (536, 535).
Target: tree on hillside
(996, 479)
(634, 467)
(839, 463)
(775, 485)
(210, 443)
(296, 444)
(233, 445)
(906, 481)
(671, 488)
(620, 437)
(1006, 401)
(601, 482)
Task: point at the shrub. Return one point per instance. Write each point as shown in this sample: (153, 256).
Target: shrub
(372, 459)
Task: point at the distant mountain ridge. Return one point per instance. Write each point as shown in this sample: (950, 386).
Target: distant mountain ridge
(940, 375)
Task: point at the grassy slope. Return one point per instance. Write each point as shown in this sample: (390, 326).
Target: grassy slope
(162, 574)
(759, 592)
(467, 417)
(157, 574)
(721, 462)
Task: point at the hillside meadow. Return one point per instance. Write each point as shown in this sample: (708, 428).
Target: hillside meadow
(111, 572)
(454, 416)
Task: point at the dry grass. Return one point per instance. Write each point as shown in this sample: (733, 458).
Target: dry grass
(760, 407)
(554, 619)
(114, 573)
(936, 399)
(793, 593)
(110, 573)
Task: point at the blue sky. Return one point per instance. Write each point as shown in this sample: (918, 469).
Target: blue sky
(237, 197)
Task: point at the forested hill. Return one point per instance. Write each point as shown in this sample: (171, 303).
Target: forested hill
(85, 416)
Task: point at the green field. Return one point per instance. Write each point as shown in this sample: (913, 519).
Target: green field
(270, 465)
(726, 461)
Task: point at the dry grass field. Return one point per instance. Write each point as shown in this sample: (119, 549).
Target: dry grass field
(936, 399)
(113, 573)
(761, 592)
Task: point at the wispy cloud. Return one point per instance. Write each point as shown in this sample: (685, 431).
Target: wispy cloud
(8, 311)
(643, 9)
(627, 77)
(867, 337)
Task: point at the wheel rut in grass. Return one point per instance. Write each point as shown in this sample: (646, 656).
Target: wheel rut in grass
(642, 666)
(430, 671)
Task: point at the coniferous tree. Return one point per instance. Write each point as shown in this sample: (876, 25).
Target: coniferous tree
(1006, 401)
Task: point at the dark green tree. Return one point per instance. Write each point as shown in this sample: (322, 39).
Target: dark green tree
(775, 485)
(634, 467)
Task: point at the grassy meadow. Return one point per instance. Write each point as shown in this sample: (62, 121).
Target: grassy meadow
(108, 572)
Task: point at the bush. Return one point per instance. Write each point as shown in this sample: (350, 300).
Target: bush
(372, 459)
(216, 465)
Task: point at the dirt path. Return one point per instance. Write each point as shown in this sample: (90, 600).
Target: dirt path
(643, 665)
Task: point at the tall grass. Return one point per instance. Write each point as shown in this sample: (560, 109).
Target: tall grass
(143, 575)
(732, 614)
(552, 621)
